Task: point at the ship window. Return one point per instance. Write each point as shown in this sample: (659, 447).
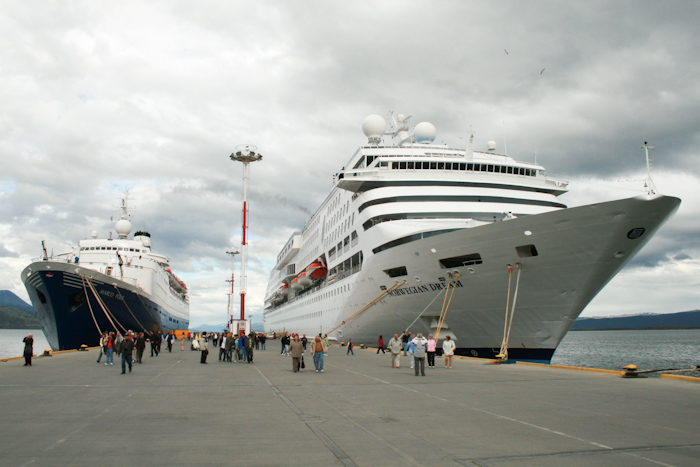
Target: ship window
(489, 168)
(433, 165)
(503, 169)
(509, 170)
(459, 261)
(360, 162)
(526, 251)
(346, 242)
(396, 272)
(462, 166)
(394, 165)
(331, 254)
(441, 166)
(370, 159)
(402, 165)
(527, 172)
(410, 165)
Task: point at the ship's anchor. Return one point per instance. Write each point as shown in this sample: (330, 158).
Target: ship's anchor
(510, 311)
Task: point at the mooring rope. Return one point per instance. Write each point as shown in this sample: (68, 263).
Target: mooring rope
(90, 306)
(443, 312)
(509, 320)
(104, 307)
(370, 304)
(127, 307)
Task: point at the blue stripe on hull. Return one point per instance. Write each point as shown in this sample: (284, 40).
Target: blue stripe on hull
(74, 321)
(530, 355)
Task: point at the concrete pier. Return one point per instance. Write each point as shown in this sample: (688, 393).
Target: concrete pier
(66, 410)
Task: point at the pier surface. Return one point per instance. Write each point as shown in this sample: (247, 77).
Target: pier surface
(66, 410)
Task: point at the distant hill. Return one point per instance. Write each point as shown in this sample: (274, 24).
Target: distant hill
(15, 318)
(682, 320)
(8, 298)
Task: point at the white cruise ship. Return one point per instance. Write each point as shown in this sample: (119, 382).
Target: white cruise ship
(106, 285)
(423, 237)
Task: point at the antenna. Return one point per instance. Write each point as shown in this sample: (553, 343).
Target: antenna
(649, 184)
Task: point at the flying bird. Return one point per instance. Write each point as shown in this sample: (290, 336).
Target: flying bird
(542, 71)
(505, 51)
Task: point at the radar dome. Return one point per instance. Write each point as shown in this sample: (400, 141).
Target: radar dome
(94, 234)
(374, 127)
(491, 145)
(123, 228)
(425, 132)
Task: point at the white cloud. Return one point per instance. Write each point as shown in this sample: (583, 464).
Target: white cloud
(100, 97)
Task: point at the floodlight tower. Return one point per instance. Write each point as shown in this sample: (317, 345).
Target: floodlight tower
(229, 310)
(245, 153)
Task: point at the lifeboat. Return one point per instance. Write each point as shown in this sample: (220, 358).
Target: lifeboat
(303, 279)
(296, 285)
(316, 270)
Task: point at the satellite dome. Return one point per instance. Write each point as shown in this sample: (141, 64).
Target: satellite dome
(123, 228)
(94, 234)
(425, 132)
(374, 127)
(491, 145)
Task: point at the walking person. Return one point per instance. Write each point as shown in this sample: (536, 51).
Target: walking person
(230, 347)
(109, 355)
(250, 347)
(380, 344)
(318, 350)
(405, 338)
(203, 347)
(430, 350)
(262, 340)
(155, 344)
(350, 347)
(222, 347)
(28, 349)
(103, 339)
(242, 358)
(126, 349)
(182, 341)
(420, 344)
(448, 350)
(140, 347)
(410, 350)
(297, 350)
(395, 346)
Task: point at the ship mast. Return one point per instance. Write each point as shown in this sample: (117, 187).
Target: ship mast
(651, 188)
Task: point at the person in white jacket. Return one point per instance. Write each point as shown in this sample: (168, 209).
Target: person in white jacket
(448, 350)
(420, 344)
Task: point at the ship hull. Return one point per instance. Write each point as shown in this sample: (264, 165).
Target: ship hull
(559, 261)
(71, 314)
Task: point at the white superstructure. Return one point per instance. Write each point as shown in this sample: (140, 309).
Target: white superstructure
(106, 285)
(411, 224)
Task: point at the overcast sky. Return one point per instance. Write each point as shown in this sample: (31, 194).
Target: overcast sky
(99, 97)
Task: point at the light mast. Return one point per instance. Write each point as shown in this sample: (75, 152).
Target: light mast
(245, 153)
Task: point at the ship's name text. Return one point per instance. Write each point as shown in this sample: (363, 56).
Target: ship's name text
(423, 288)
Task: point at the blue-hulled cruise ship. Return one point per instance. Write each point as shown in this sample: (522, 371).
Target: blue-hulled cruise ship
(106, 285)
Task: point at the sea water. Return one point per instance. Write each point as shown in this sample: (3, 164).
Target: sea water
(648, 349)
(11, 344)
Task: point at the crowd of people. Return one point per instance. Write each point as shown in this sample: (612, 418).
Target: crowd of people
(241, 348)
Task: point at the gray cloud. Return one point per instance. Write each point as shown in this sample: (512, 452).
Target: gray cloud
(155, 96)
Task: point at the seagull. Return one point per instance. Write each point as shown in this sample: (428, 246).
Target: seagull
(505, 51)
(542, 71)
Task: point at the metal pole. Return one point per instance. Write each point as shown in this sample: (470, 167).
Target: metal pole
(244, 246)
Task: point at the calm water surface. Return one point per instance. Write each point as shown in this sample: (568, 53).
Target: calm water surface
(648, 349)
